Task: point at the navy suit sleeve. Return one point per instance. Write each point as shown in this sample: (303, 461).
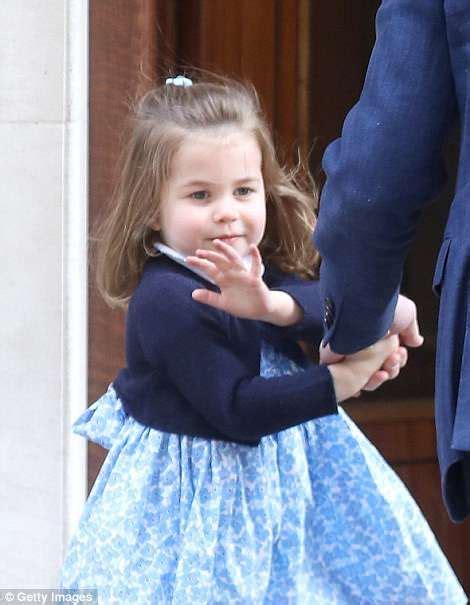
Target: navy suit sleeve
(306, 294)
(189, 343)
(386, 165)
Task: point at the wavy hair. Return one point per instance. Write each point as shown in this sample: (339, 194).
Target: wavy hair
(158, 125)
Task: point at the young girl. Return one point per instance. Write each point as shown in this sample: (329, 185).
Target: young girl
(232, 476)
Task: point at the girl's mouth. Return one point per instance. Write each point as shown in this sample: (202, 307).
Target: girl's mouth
(229, 238)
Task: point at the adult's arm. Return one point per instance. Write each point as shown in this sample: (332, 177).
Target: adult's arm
(387, 164)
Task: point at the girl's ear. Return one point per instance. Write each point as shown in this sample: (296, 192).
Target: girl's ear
(155, 224)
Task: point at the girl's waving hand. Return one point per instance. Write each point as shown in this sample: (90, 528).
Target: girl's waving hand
(243, 292)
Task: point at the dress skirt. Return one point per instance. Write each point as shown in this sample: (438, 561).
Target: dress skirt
(311, 516)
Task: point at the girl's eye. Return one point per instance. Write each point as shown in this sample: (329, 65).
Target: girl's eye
(199, 195)
(243, 191)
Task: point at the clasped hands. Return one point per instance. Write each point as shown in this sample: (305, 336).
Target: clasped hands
(404, 329)
(244, 294)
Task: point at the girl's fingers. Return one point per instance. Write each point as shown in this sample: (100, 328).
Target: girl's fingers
(393, 373)
(376, 380)
(204, 265)
(256, 261)
(391, 362)
(215, 257)
(390, 369)
(208, 298)
(403, 356)
(229, 251)
(395, 362)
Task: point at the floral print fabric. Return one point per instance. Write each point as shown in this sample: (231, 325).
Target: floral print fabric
(313, 515)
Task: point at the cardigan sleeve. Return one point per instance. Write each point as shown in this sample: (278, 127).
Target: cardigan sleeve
(188, 343)
(306, 294)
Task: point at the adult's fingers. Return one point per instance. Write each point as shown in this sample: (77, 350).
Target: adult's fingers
(405, 322)
(411, 336)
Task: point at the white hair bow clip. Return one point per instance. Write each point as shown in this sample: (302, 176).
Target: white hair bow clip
(179, 81)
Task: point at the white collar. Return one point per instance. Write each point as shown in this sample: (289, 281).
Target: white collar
(181, 259)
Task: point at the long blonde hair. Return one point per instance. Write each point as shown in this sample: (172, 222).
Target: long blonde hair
(161, 120)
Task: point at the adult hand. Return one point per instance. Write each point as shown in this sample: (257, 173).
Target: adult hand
(389, 370)
(354, 372)
(405, 323)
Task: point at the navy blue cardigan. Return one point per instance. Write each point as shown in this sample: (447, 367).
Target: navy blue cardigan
(194, 370)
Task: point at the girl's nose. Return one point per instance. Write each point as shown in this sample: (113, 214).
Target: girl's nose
(225, 212)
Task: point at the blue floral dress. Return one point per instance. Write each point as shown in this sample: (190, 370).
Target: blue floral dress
(311, 516)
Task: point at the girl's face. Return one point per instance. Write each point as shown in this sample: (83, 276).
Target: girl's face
(215, 190)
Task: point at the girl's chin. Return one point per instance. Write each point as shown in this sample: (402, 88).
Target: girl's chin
(239, 245)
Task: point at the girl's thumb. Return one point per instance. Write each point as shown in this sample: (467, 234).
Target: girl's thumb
(327, 356)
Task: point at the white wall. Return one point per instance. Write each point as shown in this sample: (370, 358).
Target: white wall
(43, 200)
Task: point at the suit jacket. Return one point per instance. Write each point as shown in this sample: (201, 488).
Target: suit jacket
(385, 167)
